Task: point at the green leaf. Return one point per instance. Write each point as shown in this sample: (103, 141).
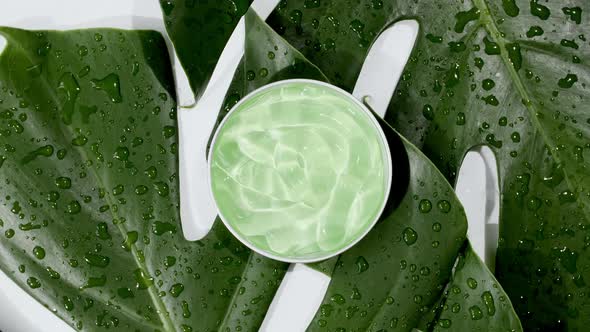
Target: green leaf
(507, 74)
(395, 277)
(199, 31)
(474, 300)
(89, 209)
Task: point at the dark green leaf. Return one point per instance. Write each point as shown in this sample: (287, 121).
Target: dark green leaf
(474, 301)
(89, 207)
(395, 277)
(534, 117)
(199, 31)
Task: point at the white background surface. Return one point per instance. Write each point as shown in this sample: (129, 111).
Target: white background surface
(302, 289)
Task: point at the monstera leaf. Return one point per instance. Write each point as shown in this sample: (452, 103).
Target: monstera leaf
(397, 277)
(89, 208)
(199, 31)
(508, 74)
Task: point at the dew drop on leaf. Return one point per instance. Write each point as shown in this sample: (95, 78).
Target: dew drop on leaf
(361, 264)
(425, 206)
(575, 13)
(488, 300)
(444, 206)
(475, 313)
(568, 81)
(510, 8)
(462, 18)
(472, 283)
(176, 289)
(63, 182)
(535, 31)
(338, 299)
(539, 10)
(410, 236)
(96, 260)
(33, 282)
(110, 85)
(39, 252)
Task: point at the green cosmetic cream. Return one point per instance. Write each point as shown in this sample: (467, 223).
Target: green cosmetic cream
(299, 170)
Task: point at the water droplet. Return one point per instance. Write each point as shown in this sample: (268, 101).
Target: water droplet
(160, 228)
(425, 206)
(162, 188)
(176, 290)
(539, 10)
(130, 239)
(488, 84)
(169, 131)
(566, 196)
(488, 300)
(478, 62)
(389, 300)
(141, 190)
(514, 55)
(338, 299)
(121, 153)
(96, 260)
(186, 313)
(250, 75)
(79, 140)
(428, 112)
(475, 313)
(575, 13)
(118, 190)
(52, 273)
(33, 282)
(535, 31)
(110, 85)
(102, 231)
(455, 308)
(568, 81)
(170, 261)
(491, 100)
(151, 172)
(457, 47)
(444, 323)
(444, 206)
(73, 207)
(63, 182)
(434, 39)
(569, 43)
(472, 283)
(490, 47)
(410, 236)
(460, 119)
(39, 252)
(361, 264)
(95, 282)
(465, 17)
(125, 293)
(68, 90)
(510, 8)
(44, 151)
(68, 303)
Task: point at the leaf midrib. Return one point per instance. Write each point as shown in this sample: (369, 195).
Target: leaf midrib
(494, 33)
(161, 309)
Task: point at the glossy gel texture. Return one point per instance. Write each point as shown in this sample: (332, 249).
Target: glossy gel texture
(299, 170)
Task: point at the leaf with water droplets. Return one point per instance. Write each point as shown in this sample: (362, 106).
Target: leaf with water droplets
(90, 229)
